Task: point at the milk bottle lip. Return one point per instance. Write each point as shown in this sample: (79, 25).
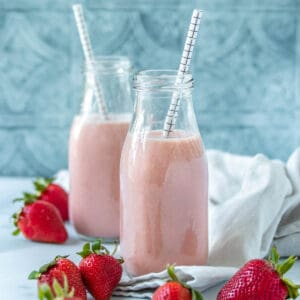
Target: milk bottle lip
(108, 64)
(162, 79)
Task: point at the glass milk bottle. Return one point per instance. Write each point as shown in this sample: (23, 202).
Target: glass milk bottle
(164, 180)
(95, 144)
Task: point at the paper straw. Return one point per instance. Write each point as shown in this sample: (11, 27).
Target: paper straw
(89, 56)
(183, 69)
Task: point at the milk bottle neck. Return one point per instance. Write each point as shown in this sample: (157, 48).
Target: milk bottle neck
(154, 91)
(107, 78)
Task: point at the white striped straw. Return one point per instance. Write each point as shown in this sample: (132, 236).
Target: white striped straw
(89, 57)
(183, 69)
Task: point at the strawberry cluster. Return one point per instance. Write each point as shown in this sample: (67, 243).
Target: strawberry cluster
(42, 217)
(99, 272)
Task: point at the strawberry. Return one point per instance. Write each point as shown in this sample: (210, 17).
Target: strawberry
(48, 191)
(175, 289)
(60, 292)
(100, 271)
(62, 269)
(39, 221)
(261, 279)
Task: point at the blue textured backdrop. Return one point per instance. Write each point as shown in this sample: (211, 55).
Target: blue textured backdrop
(246, 67)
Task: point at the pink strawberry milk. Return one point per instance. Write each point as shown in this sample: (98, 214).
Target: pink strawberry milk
(164, 181)
(96, 141)
(95, 150)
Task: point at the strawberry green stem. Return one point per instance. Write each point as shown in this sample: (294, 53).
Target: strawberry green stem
(171, 273)
(120, 260)
(115, 249)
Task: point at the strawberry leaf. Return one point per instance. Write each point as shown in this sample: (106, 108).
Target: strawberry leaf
(196, 295)
(274, 256)
(96, 246)
(18, 200)
(15, 218)
(286, 265)
(16, 232)
(86, 250)
(41, 184)
(34, 275)
(293, 289)
(44, 292)
(27, 198)
(49, 180)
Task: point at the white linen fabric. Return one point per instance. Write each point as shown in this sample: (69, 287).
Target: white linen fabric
(254, 202)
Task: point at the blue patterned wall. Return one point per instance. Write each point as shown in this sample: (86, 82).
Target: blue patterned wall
(246, 67)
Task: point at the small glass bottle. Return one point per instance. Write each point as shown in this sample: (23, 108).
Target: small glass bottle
(95, 144)
(164, 180)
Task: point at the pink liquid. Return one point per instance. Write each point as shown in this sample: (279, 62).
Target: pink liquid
(164, 203)
(94, 157)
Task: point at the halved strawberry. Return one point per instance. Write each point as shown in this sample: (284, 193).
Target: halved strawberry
(57, 291)
(59, 268)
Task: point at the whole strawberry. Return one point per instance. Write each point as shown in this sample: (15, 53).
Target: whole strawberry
(48, 191)
(39, 221)
(261, 279)
(175, 289)
(100, 271)
(45, 292)
(61, 269)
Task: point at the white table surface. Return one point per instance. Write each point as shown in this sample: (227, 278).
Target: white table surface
(18, 257)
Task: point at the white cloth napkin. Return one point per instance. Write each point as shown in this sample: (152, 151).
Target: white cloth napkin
(254, 203)
(249, 196)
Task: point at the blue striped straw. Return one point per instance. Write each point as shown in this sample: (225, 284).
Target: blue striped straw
(183, 69)
(89, 57)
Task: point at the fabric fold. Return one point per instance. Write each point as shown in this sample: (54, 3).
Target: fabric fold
(243, 225)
